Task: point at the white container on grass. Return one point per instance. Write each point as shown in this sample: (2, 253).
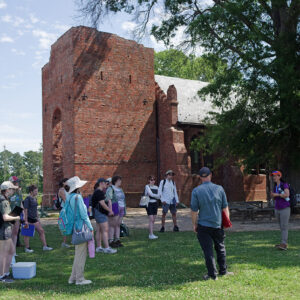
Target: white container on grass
(24, 270)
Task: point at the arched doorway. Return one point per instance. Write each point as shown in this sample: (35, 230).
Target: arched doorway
(57, 146)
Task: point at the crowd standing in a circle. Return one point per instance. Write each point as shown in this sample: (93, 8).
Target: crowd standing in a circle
(108, 208)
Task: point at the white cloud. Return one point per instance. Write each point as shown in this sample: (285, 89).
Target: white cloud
(33, 19)
(46, 39)
(2, 4)
(6, 39)
(6, 19)
(18, 52)
(15, 144)
(61, 27)
(7, 129)
(18, 21)
(128, 26)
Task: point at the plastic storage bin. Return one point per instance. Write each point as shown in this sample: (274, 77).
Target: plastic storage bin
(24, 270)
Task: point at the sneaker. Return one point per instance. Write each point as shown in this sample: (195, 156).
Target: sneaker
(28, 250)
(152, 237)
(113, 244)
(46, 248)
(207, 277)
(64, 245)
(118, 243)
(162, 229)
(6, 279)
(175, 229)
(99, 249)
(71, 281)
(227, 274)
(277, 245)
(83, 282)
(282, 247)
(109, 250)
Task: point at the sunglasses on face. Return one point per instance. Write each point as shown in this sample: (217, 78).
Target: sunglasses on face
(152, 179)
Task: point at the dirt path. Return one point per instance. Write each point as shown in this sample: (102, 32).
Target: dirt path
(137, 218)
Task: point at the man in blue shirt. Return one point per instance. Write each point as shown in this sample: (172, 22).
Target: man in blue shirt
(207, 203)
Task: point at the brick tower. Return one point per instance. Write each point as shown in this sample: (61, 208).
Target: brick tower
(98, 111)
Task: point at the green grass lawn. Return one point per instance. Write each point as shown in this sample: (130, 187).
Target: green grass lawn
(168, 268)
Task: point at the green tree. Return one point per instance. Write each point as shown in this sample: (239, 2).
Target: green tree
(258, 94)
(175, 63)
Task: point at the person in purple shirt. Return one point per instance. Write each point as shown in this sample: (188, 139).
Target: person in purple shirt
(281, 194)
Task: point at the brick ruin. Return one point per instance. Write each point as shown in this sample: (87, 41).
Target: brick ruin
(104, 114)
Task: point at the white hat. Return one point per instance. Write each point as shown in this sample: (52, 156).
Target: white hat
(8, 185)
(109, 179)
(75, 183)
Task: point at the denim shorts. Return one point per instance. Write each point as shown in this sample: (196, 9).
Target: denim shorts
(167, 207)
(100, 217)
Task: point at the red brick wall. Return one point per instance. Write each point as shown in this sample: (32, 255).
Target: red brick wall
(111, 111)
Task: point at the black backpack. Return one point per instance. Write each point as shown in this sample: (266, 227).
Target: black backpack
(293, 200)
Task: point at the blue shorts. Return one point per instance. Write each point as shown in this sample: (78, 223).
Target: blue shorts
(172, 207)
(100, 217)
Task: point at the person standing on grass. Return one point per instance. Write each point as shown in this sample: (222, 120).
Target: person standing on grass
(31, 217)
(101, 210)
(116, 195)
(281, 194)
(7, 246)
(62, 196)
(74, 184)
(207, 203)
(151, 190)
(169, 198)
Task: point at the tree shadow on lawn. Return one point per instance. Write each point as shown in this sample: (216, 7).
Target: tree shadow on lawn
(172, 260)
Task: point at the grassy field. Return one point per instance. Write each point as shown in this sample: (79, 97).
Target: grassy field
(168, 268)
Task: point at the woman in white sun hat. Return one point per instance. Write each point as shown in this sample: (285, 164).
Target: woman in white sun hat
(81, 218)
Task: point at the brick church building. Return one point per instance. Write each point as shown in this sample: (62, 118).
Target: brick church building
(105, 113)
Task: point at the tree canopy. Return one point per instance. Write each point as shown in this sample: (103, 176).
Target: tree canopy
(176, 63)
(258, 93)
(27, 167)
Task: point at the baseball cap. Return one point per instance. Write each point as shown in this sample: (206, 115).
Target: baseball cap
(102, 180)
(277, 173)
(109, 180)
(170, 172)
(7, 185)
(14, 179)
(204, 172)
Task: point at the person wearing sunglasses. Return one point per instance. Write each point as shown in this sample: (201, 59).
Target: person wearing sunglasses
(151, 190)
(281, 196)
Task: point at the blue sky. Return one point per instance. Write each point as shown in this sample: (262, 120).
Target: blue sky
(27, 30)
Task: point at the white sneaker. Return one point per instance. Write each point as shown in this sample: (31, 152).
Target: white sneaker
(152, 237)
(70, 281)
(64, 245)
(83, 282)
(28, 250)
(99, 249)
(109, 250)
(46, 248)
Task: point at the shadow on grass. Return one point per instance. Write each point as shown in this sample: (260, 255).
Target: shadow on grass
(169, 262)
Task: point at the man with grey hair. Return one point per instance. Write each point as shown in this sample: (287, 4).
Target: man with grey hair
(207, 204)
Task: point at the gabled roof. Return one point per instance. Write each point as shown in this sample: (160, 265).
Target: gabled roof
(191, 109)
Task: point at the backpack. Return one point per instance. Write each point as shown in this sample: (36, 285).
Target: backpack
(293, 200)
(66, 219)
(165, 183)
(57, 202)
(124, 230)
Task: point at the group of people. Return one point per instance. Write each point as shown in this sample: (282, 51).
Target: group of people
(108, 207)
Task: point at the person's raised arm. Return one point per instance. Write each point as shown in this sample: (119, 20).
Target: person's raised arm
(149, 193)
(8, 218)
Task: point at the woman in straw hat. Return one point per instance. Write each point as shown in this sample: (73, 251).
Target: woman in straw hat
(74, 184)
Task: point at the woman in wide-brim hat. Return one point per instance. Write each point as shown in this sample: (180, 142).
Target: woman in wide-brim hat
(74, 184)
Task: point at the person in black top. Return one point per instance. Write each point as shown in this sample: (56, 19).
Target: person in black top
(151, 190)
(101, 210)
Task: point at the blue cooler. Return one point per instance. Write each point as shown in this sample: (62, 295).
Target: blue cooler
(24, 270)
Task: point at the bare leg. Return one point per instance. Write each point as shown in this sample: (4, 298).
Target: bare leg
(111, 222)
(26, 241)
(163, 220)
(10, 253)
(104, 233)
(118, 223)
(151, 222)
(174, 219)
(41, 233)
(98, 235)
